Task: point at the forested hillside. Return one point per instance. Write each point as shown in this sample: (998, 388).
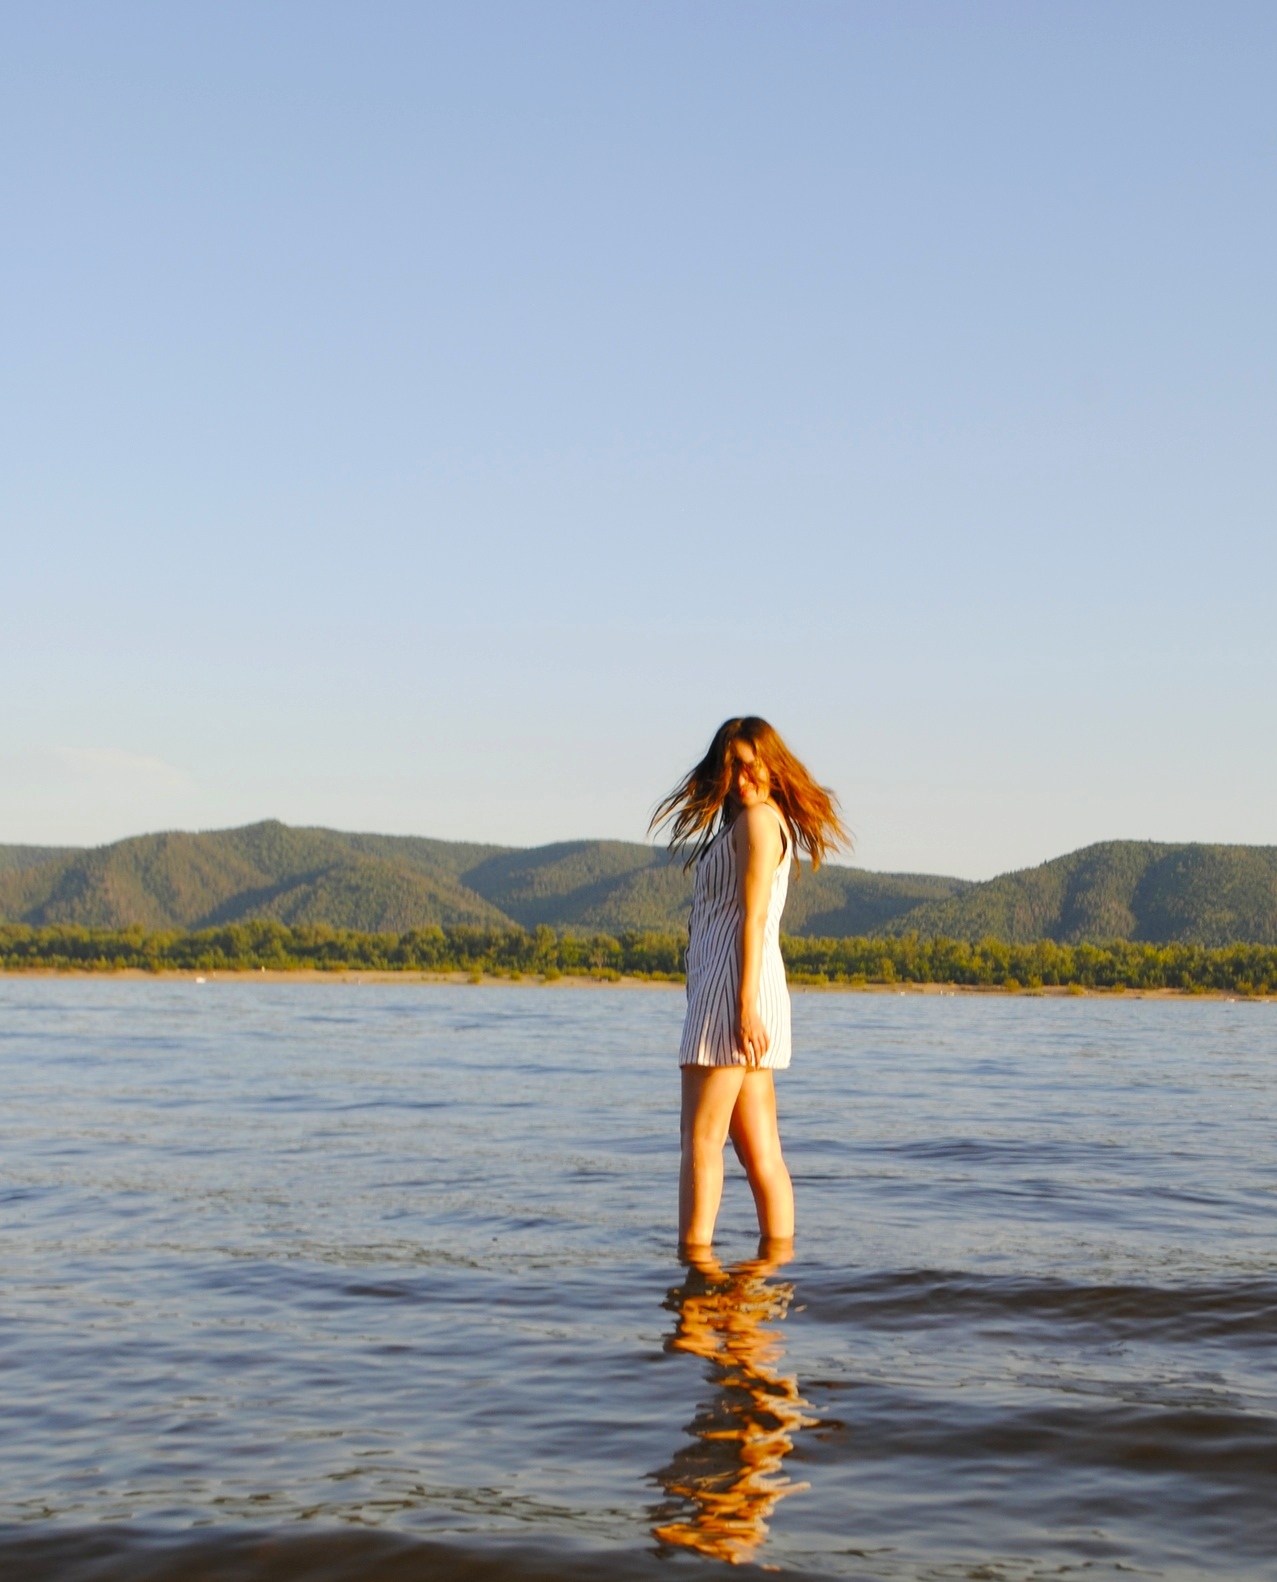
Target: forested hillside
(262, 871)
(393, 882)
(1124, 889)
(1136, 890)
(16, 857)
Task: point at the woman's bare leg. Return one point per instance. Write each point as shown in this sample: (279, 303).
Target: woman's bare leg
(755, 1133)
(709, 1098)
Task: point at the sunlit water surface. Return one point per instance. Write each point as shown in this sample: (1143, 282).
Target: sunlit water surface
(360, 1281)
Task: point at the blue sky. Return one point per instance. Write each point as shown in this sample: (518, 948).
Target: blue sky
(434, 419)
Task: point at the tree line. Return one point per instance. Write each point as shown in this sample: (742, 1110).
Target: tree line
(546, 953)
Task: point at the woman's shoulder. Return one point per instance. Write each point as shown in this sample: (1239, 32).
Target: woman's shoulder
(763, 825)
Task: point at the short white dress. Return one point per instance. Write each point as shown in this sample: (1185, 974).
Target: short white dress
(714, 961)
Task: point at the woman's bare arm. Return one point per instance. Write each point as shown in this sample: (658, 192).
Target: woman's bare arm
(759, 849)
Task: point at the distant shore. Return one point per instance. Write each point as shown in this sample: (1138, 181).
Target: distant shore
(620, 981)
(464, 954)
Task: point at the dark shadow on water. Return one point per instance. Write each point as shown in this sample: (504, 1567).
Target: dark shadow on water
(723, 1486)
(120, 1553)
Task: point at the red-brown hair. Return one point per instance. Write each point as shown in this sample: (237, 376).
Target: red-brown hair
(697, 803)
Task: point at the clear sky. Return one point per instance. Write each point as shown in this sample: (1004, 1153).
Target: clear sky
(435, 418)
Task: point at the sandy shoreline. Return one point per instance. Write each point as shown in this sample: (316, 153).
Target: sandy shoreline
(583, 981)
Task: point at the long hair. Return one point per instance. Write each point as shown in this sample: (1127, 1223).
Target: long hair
(698, 803)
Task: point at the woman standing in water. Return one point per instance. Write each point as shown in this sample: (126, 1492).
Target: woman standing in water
(742, 811)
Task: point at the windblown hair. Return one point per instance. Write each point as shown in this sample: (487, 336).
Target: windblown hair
(697, 807)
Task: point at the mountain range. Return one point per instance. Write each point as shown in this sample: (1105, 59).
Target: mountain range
(1141, 890)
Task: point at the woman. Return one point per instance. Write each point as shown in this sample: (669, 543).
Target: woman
(742, 811)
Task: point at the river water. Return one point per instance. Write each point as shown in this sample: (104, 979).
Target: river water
(378, 1281)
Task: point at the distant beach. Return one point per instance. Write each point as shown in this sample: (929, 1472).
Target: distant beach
(617, 981)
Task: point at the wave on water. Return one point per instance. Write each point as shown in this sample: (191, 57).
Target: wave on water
(1237, 1310)
(128, 1554)
(386, 1298)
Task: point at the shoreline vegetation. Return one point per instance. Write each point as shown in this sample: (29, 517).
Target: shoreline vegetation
(470, 953)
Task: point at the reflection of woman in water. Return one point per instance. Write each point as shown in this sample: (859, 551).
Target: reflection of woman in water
(740, 814)
(730, 1473)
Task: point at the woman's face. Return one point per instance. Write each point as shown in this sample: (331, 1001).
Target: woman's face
(750, 781)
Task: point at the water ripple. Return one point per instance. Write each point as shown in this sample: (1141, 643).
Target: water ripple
(377, 1281)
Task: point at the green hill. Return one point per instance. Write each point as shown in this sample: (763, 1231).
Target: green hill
(1124, 889)
(15, 858)
(580, 884)
(397, 882)
(1138, 890)
(839, 903)
(264, 870)
(615, 885)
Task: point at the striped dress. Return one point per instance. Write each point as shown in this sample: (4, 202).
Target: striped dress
(714, 962)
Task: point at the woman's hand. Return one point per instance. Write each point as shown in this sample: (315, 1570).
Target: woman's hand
(751, 1035)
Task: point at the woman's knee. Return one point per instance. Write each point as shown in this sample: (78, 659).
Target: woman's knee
(766, 1167)
(703, 1134)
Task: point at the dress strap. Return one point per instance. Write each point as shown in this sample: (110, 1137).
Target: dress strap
(785, 833)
